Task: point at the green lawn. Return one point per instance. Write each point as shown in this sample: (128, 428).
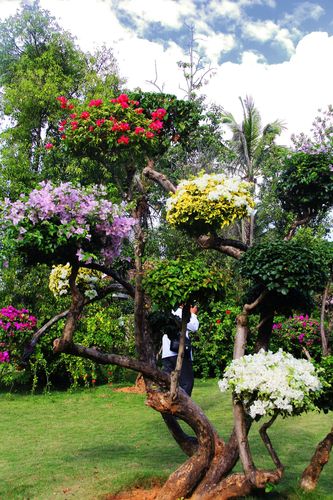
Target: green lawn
(92, 442)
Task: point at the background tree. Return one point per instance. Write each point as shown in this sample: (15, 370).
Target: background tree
(38, 62)
(252, 145)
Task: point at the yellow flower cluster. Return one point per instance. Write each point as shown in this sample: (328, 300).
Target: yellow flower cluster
(87, 279)
(209, 201)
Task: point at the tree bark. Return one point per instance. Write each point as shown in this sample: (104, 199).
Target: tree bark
(324, 342)
(73, 314)
(183, 481)
(319, 459)
(181, 351)
(265, 328)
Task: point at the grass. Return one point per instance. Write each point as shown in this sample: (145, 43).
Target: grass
(92, 442)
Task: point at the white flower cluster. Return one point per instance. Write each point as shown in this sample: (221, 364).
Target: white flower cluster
(269, 382)
(87, 280)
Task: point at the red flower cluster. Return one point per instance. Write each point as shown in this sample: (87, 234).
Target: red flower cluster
(95, 102)
(86, 122)
(124, 139)
(159, 114)
(64, 104)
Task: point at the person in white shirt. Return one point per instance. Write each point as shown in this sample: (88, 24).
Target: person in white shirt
(169, 357)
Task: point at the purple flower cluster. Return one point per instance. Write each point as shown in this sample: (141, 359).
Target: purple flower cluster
(16, 319)
(73, 214)
(300, 328)
(322, 134)
(13, 320)
(4, 357)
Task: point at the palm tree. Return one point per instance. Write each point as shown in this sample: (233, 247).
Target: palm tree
(250, 145)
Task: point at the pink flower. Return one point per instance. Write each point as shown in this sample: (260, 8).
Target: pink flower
(149, 135)
(124, 126)
(139, 130)
(157, 125)
(49, 145)
(85, 115)
(100, 122)
(74, 125)
(159, 114)
(4, 357)
(123, 139)
(139, 111)
(95, 102)
(73, 115)
(63, 101)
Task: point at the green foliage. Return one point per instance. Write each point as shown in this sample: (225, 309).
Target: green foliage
(172, 282)
(213, 343)
(306, 183)
(103, 325)
(325, 401)
(283, 266)
(182, 119)
(38, 62)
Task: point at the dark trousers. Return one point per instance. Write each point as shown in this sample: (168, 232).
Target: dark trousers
(186, 379)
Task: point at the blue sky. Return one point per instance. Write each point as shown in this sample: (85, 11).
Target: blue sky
(278, 51)
(270, 28)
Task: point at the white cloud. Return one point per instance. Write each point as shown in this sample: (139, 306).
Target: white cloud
(304, 11)
(215, 44)
(226, 8)
(260, 30)
(264, 31)
(168, 12)
(292, 91)
(269, 3)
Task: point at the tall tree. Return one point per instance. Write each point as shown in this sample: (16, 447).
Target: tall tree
(251, 145)
(38, 62)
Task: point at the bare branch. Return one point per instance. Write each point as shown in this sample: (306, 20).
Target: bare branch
(159, 178)
(295, 225)
(154, 82)
(104, 358)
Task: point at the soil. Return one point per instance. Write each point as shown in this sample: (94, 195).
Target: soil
(135, 494)
(138, 388)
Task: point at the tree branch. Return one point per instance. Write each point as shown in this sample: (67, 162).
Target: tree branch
(103, 358)
(268, 443)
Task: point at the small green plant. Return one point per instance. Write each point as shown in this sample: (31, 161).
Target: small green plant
(173, 282)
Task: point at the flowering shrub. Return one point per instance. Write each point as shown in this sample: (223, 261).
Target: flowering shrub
(213, 343)
(64, 222)
(15, 327)
(115, 126)
(269, 383)
(87, 280)
(295, 333)
(209, 201)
